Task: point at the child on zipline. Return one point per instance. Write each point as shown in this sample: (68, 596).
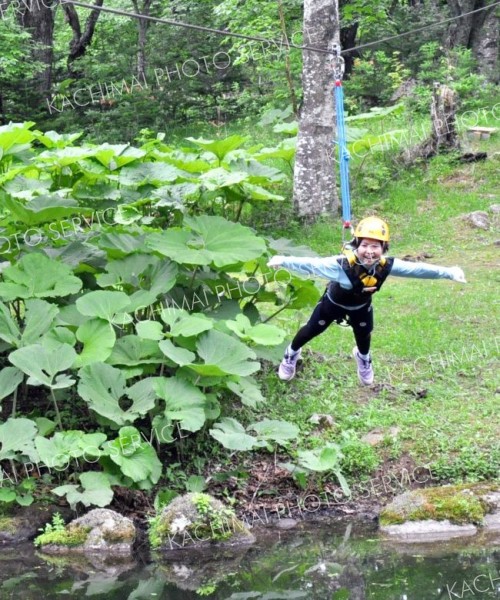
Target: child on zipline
(354, 277)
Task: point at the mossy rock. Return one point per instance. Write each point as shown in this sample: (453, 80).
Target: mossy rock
(196, 520)
(100, 531)
(440, 512)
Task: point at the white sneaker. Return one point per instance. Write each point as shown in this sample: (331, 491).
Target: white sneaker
(287, 366)
(365, 369)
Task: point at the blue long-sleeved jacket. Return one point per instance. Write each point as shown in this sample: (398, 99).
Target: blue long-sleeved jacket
(329, 268)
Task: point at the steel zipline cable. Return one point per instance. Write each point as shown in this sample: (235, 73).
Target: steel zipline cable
(286, 43)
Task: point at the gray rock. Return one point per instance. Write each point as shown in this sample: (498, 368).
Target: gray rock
(479, 219)
(181, 524)
(427, 531)
(492, 522)
(108, 533)
(495, 209)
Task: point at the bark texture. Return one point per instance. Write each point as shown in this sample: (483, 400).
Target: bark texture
(38, 18)
(479, 31)
(142, 29)
(314, 176)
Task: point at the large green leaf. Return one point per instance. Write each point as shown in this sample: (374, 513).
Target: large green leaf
(96, 490)
(280, 432)
(14, 137)
(10, 378)
(247, 390)
(63, 447)
(258, 173)
(184, 402)
(26, 187)
(266, 335)
(63, 157)
(257, 192)
(150, 330)
(321, 459)
(115, 157)
(231, 434)
(182, 323)
(43, 364)
(136, 458)
(149, 172)
(131, 350)
(127, 270)
(121, 244)
(211, 240)
(37, 276)
(102, 304)
(17, 437)
(45, 209)
(219, 147)
(9, 331)
(179, 356)
(220, 178)
(223, 354)
(98, 338)
(103, 386)
(40, 316)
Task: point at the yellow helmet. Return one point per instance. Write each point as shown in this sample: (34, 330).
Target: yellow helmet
(372, 227)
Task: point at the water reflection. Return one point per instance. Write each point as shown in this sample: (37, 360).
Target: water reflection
(316, 562)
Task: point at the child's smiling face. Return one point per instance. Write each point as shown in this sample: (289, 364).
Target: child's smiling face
(369, 251)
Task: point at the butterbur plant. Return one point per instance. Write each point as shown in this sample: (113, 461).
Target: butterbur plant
(123, 322)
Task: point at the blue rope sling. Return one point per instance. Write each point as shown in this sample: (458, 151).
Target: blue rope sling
(343, 153)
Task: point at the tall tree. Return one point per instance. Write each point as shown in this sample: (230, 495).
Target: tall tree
(38, 19)
(141, 8)
(81, 39)
(314, 175)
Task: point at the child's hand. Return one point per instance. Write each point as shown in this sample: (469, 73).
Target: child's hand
(275, 262)
(457, 274)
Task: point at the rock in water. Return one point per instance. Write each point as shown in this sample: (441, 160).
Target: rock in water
(101, 531)
(197, 520)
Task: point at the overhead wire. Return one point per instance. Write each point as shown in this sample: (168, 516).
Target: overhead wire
(125, 13)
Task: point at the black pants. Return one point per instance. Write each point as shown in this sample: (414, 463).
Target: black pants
(326, 312)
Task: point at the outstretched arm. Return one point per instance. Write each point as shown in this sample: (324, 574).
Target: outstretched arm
(403, 268)
(327, 267)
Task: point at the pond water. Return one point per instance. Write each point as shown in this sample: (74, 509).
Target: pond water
(321, 561)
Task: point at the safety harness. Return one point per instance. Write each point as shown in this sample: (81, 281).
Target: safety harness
(365, 282)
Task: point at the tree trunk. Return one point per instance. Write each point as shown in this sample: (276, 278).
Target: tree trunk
(459, 30)
(80, 41)
(142, 28)
(444, 135)
(38, 18)
(479, 31)
(348, 40)
(485, 39)
(314, 175)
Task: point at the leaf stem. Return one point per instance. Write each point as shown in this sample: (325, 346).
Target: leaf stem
(58, 414)
(277, 312)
